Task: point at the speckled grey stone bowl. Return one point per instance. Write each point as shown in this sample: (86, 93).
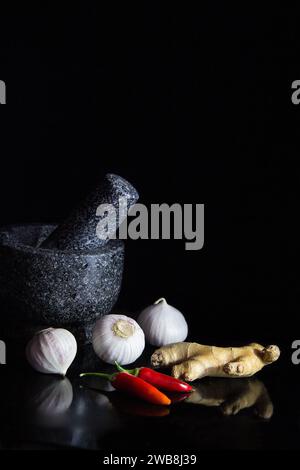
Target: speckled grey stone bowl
(48, 287)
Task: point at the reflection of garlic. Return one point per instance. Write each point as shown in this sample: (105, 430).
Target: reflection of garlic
(53, 396)
(117, 338)
(52, 351)
(163, 324)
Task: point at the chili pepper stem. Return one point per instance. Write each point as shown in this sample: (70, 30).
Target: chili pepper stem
(134, 372)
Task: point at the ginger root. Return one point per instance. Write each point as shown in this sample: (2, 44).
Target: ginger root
(191, 361)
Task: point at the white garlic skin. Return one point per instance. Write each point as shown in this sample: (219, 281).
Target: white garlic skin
(118, 338)
(52, 351)
(163, 324)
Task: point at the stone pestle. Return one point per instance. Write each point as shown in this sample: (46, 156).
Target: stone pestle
(79, 233)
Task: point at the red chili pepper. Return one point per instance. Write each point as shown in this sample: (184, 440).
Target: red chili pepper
(159, 380)
(134, 386)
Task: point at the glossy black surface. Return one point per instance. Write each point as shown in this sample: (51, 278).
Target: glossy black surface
(46, 412)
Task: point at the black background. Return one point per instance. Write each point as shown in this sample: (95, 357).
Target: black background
(192, 106)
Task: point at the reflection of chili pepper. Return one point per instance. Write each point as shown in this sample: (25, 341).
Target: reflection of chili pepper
(134, 386)
(136, 407)
(178, 397)
(163, 381)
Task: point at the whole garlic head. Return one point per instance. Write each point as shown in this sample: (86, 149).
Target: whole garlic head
(163, 324)
(52, 351)
(117, 338)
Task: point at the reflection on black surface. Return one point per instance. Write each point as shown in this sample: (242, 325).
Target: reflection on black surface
(51, 395)
(233, 395)
(177, 397)
(97, 383)
(67, 415)
(39, 411)
(132, 406)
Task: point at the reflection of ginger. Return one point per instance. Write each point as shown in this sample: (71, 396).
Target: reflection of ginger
(233, 396)
(191, 361)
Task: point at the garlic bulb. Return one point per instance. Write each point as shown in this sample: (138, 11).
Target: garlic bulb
(52, 351)
(118, 338)
(163, 324)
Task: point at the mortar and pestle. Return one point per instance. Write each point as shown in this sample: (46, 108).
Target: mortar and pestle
(63, 276)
